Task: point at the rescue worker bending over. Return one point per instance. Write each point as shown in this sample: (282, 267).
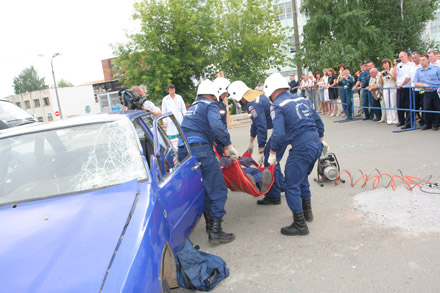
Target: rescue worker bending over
(258, 107)
(201, 125)
(221, 85)
(297, 124)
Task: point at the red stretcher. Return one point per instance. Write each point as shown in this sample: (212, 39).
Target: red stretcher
(236, 179)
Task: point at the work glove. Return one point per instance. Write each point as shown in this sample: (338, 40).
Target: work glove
(325, 148)
(250, 148)
(233, 154)
(261, 160)
(272, 158)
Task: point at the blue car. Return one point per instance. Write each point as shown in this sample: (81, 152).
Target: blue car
(95, 203)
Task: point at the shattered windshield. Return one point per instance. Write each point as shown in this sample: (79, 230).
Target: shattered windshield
(69, 160)
(13, 115)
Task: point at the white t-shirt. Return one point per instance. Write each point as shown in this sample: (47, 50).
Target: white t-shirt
(437, 63)
(177, 107)
(413, 72)
(403, 72)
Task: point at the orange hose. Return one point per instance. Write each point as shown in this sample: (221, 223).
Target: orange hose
(376, 179)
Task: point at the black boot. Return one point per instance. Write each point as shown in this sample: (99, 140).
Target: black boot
(208, 221)
(307, 209)
(216, 235)
(298, 227)
(267, 200)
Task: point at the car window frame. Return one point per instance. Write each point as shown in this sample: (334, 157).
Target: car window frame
(155, 130)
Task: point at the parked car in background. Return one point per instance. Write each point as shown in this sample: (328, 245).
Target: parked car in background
(11, 115)
(94, 203)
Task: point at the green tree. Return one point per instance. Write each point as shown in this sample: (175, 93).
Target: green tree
(64, 83)
(183, 40)
(404, 21)
(352, 31)
(249, 39)
(172, 46)
(28, 81)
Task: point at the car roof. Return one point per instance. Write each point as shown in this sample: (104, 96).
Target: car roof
(74, 121)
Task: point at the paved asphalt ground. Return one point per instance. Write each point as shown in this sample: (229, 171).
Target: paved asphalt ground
(362, 239)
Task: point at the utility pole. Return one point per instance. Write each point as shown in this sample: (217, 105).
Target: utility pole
(295, 27)
(55, 85)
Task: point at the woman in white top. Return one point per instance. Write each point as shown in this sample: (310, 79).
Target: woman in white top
(389, 95)
(320, 84)
(326, 109)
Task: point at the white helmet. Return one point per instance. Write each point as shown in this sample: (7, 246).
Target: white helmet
(237, 89)
(274, 82)
(206, 87)
(221, 85)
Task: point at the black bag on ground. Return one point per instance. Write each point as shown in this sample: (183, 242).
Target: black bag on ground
(199, 270)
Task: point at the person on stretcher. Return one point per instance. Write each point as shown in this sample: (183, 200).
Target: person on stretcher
(261, 179)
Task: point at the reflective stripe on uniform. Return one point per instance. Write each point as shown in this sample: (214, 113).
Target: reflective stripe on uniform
(282, 104)
(206, 102)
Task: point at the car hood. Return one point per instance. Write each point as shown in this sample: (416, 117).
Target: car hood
(64, 243)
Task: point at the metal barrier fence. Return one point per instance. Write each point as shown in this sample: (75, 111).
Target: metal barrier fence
(408, 111)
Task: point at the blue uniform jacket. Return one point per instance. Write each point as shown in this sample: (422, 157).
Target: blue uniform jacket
(364, 77)
(430, 76)
(202, 122)
(294, 121)
(259, 111)
(347, 84)
(223, 112)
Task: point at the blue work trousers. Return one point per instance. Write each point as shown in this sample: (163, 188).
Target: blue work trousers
(366, 103)
(215, 187)
(299, 165)
(256, 173)
(275, 190)
(347, 101)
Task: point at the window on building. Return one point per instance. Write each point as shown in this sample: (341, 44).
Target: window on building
(285, 10)
(46, 101)
(292, 44)
(18, 104)
(27, 104)
(36, 103)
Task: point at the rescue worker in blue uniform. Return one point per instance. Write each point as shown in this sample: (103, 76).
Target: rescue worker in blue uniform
(258, 107)
(221, 84)
(363, 82)
(297, 124)
(202, 124)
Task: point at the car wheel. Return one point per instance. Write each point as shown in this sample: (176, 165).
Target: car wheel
(168, 274)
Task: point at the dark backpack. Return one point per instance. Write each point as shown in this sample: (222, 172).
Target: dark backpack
(199, 270)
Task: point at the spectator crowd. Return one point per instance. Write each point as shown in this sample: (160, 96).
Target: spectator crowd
(401, 92)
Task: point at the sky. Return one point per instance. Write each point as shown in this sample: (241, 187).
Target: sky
(81, 31)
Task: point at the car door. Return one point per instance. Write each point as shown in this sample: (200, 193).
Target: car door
(178, 182)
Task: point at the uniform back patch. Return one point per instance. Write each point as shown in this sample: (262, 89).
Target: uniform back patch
(272, 114)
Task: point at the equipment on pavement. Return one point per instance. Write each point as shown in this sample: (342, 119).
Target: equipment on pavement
(328, 169)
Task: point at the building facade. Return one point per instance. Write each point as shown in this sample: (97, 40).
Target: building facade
(432, 31)
(75, 101)
(285, 17)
